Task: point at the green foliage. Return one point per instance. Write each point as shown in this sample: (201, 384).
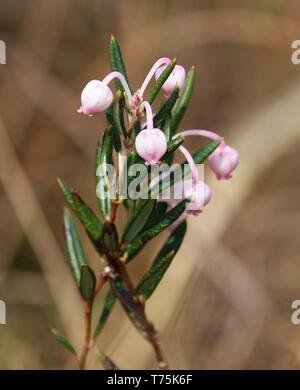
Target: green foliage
(87, 283)
(182, 103)
(163, 223)
(74, 246)
(110, 236)
(116, 61)
(199, 157)
(161, 263)
(85, 215)
(138, 219)
(118, 116)
(146, 218)
(103, 158)
(63, 341)
(109, 302)
(166, 109)
(160, 81)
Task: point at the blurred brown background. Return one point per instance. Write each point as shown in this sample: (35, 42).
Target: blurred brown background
(226, 301)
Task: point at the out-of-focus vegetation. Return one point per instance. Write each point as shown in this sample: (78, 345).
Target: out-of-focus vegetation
(226, 301)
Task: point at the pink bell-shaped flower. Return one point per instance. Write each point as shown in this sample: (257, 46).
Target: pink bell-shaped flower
(177, 77)
(223, 161)
(151, 145)
(200, 194)
(95, 97)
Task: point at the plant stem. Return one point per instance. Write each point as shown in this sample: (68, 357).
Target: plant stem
(87, 337)
(88, 306)
(160, 357)
(113, 212)
(100, 283)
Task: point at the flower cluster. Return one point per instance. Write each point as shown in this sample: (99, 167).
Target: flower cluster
(151, 143)
(137, 140)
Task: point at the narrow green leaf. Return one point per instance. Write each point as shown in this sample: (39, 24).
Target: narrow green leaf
(199, 158)
(160, 81)
(107, 363)
(118, 113)
(109, 113)
(63, 341)
(135, 130)
(108, 305)
(159, 210)
(116, 139)
(138, 219)
(110, 236)
(166, 109)
(172, 146)
(202, 154)
(182, 103)
(82, 211)
(103, 180)
(173, 242)
(161, 263)
(152, 278)
(116, 61)
(74, 247)
(87, 282)
(166, 220)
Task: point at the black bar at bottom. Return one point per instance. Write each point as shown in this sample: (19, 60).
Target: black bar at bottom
(144, 379)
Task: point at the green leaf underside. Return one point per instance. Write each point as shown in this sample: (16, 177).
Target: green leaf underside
(182, 103)
(87, 282)
(161, 263)
(103, 158)
(110, 236)
(160, 81)
(166, 220)
(107, 363)
(116, 61)
(158, 211)
(199, 158)
(63, 341)
(116, 139)
(118, 116)
(82, 211)
(74, 246)
(173, 145)
(108, 305)
(138, 219)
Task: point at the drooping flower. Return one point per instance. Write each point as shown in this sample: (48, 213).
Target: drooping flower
(200, 195)
(195, 189)
(176, 78)
(150, 144)
(97, 96)
(161, 62)
(223, 160)
(198, 192)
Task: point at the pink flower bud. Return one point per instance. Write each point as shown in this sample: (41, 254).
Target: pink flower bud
(223, 161)
(177, 77)
(151, 145)
(200, 194)
(95, 97)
